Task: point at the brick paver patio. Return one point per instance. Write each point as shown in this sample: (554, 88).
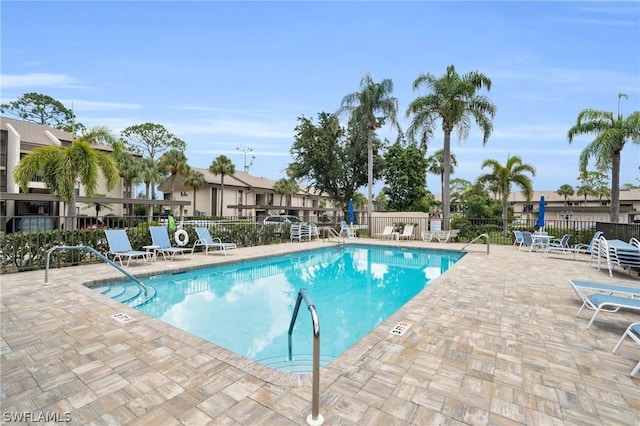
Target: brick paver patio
(494, 341)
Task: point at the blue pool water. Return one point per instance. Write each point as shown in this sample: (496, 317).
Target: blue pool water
(246, 307)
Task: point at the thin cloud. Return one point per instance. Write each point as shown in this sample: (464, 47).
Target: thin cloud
(31, 80)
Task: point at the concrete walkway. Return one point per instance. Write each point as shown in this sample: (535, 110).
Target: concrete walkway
(493, 341)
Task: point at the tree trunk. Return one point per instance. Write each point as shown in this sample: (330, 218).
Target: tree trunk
(221, 195)
(446, 171)
(615, 187)
(369, 179)
(70, 222)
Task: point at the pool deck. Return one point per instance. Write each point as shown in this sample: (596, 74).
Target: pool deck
(493, 341)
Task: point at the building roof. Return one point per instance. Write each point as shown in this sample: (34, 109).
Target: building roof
(34, 133)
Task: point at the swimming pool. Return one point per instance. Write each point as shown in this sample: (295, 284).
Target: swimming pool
(246, 307)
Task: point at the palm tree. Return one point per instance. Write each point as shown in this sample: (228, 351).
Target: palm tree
(63, 167)
(194, 179)
(611, 134)
(453, 101)
(371, 107)
(174, 162)
(436, 165)
(565, 190)
(286, 187)
(98, 205)
(129, 168)
(150, 174)
(514, 171)
(222, 166)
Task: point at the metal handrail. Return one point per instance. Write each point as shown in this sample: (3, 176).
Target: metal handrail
(485, 236)
(314, 418)
(95, 252)
(334, 234)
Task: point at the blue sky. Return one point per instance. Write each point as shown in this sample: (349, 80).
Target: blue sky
(228, 77)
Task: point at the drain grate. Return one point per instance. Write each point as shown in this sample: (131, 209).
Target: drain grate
(400, 328)
(123, 318)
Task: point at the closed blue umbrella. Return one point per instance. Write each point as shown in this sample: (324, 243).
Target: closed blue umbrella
(541, 211)
(352, 216)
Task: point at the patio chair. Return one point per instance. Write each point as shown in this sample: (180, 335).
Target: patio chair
(205, 240)
(527, 241)
(386, 233)
(589, 287)
(604, 302)
(407, 233)
(634, 242)
(428, 235)
(443, 236)
(518, 238)
(559, 244)
(120, 246)
(346, 230)
(632, 331)
(160, 238)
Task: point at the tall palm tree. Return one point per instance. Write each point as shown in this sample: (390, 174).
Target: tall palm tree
(502, 176)
(566, 191)
(62, 167)
(454, 101)
(371, 108)
(436, 165)
(194, 179)
(150, 174)
(174, 162)
(222, 166)
(129, 168)
(611, 134)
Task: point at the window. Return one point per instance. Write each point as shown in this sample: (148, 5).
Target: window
(240, 197)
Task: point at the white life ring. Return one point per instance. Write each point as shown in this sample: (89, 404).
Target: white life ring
(181, 237)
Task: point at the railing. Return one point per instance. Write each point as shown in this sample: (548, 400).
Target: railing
(95, 252)
(485, 236)
(314, 418)
(333, 234)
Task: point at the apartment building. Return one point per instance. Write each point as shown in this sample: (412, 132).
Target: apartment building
(245, 195)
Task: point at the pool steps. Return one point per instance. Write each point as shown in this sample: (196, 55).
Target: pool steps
(130, 295)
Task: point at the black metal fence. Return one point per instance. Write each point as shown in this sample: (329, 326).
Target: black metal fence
(26, 249)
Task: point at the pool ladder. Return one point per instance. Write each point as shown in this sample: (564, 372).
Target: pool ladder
(95, 252)
(314, 419)
(334, 234)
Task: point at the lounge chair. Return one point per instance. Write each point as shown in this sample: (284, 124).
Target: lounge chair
(120, 246)
(634, 242)
(443, 236)
(205, 240)
(386, 233)
(530, 242)
(632, 331)
(407, 233)
(561, 244)
(610, 289)
(160, 238)
(604, 302)
(586, 248)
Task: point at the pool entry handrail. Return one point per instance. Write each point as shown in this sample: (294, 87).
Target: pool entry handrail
(314, 419)
(485, 236)
(95, 252)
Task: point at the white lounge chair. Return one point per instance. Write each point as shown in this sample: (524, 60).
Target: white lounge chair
(407, 233)
(386, 233)
(604, 302)
(160, 238)
(120, 246)
(205, 240)
(632, 331)
(586, 248)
